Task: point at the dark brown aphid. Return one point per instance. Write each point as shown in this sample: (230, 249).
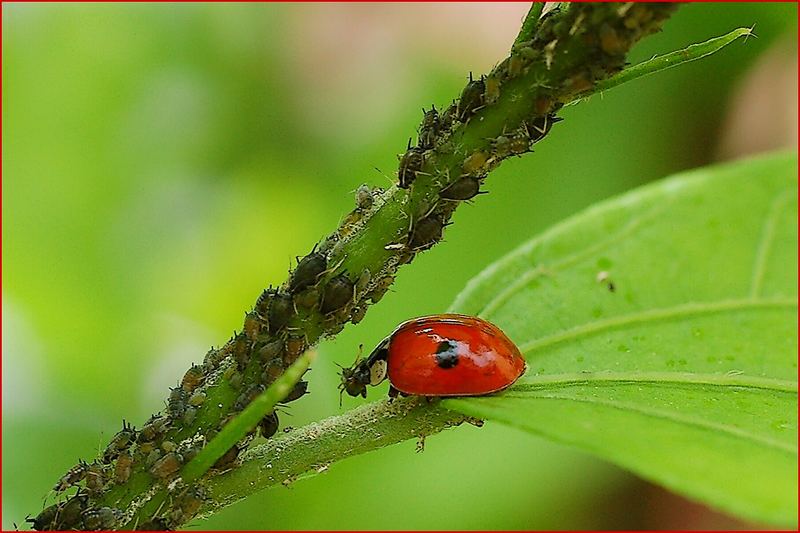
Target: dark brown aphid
(462, 189)
(295, 346)
(167, 465)
(410, 164)
(447, 117)
(188, 503)
(227, 460)
(281, 310)
(100, 518)
(429, 128)
(299, 390)
(358, 313)
(74, 475)
(192, 378)
(270, 351)
(176, 404)
(263, 301)
(540, 126)
(153, 429)
(268, 425)
(308, 271)
(119, 442)
(69, 513)
(248, 396)
(155, 524)
(426, 232)
(44, 521)
(122, 468)
(252, 326)
(337, 294)
(471, 98)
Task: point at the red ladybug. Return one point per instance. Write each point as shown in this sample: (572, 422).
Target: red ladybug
(439, 355)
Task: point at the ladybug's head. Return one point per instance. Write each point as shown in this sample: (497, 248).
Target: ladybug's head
(365, 371)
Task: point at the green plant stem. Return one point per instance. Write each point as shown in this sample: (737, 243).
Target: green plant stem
(309, 450)
(529, 23)
(673, 59)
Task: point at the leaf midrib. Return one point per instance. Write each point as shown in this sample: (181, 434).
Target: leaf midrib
(671, 416)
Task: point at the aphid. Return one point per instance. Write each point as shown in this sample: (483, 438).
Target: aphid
(439, 355)
(153, 429)
(358, 313)
(364, 199)
(227, 460)
(492, 90)
(471, 99)
(213, 357)
(462, 189)
(540, 126)
(426, 232)
(270, 351)
(122, 468)
(604, 277)
(362, 282)
(299, 390)
(188, 503)
(446, 119)
(338, 292)
(308, 299)
(167, 465)
(272, 372)
(74, 475)
(69, 513)
(155, 524)
(308, 271)
(476, 163)
(252, 326)
(268, 425)
(197, 398)
(295, 346)
(610, 42)
(519, 144)
(95, 477)
(263, 301)
(235, 379)
(188, 415)
(429, 128)
(381, 288)
(152, 458)
(176, 404)
(119, 442)
(281, 310)
(100, 518)
(241, 351)
(45, 520)
(410, 164)
(192, 378)
(248, 396)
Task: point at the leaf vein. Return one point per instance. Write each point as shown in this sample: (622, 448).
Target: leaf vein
(654, 315)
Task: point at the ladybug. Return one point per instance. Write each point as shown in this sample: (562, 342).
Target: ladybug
(439, 355)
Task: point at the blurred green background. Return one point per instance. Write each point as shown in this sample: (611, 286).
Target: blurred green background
(163, 163)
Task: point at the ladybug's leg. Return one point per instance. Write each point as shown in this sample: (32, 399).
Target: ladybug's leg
(393, 393)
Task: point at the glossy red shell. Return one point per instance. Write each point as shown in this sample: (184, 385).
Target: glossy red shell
(487, 360)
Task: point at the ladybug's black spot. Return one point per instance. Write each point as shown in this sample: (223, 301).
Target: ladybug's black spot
(446, 354)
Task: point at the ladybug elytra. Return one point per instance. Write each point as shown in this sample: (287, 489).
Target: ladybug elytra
(439, 355)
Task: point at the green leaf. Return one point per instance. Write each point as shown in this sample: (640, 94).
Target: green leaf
(660, 330)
